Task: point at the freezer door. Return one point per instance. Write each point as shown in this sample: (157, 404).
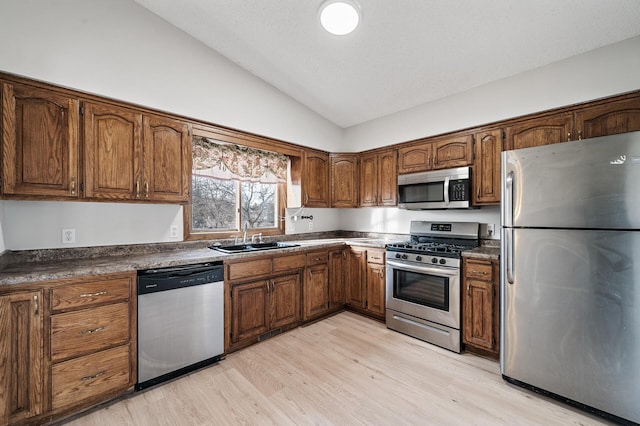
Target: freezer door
(593, 183)
(571, 317)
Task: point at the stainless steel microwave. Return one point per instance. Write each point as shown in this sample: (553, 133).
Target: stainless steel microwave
(438, 189)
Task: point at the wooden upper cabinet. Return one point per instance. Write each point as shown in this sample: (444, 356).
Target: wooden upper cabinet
(609, 119)
(453, 152)
(540, 131)
(344, 180)
(379, 179)
(486, 167)
(415, 158)
(39, 142)
(167, 160)
(388, 178)
(113, 152)
(439, 154)
(315, 182)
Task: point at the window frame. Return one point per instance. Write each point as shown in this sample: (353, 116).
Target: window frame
(243, 139)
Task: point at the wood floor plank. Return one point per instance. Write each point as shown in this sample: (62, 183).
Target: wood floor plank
(344, 370)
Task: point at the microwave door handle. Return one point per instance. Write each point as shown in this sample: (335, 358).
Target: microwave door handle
(446, 191)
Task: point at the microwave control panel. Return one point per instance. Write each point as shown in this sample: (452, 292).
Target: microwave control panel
(459, 190)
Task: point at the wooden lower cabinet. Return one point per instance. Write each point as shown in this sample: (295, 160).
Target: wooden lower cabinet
(481, 316)
(66, 345)
(285, 300)
(21, 356)
(250, 315)
(316, 291)
(365, 281)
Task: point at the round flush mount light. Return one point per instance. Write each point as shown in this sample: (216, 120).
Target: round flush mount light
(339, 17)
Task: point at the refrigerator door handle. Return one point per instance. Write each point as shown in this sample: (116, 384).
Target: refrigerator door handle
(446, 191)
(509, 254)
(508, 200)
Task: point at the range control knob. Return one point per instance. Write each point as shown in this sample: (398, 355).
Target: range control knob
(405, 257)
(434, 260)
(418, 258)
(443, 261)
(397, 255)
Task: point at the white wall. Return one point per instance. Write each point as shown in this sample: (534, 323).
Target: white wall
(39, 224)
(596, 74)
(396, 221)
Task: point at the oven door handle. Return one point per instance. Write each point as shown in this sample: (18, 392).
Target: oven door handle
(424, 269)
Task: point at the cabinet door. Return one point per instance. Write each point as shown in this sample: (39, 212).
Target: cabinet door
(416, 158)
(486, 167)
(39, 142)
(369, 180)
(249, 310)
(609, 119)
(453, 152)
(538, 132)
(167, 160)
(337, 261)
(376, 288)
(285, 300)
(479, 310)
(21, 356)
(388, 178)
(316, 291)
(316, 179)
(113, 153)
(355, 282)
(344, 180)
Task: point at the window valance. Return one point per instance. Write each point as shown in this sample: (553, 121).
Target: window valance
(229, 161)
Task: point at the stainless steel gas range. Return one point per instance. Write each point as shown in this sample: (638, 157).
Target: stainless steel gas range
(423, 281)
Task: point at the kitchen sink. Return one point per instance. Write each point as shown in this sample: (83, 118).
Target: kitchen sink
(243, 248)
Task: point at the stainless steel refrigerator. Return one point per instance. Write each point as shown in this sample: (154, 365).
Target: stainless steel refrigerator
(570, 272)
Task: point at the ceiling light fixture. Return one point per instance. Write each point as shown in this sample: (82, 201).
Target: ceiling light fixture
(339, 17)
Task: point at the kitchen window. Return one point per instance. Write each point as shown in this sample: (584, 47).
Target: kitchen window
(234, 185)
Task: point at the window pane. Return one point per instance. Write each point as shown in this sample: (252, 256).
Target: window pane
(214, 204)
(259, 201)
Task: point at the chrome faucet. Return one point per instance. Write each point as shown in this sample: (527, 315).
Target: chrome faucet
(244, 235)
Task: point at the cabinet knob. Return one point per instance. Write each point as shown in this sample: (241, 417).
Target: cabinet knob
(146, 190)
(36, 305)
(579, 135)
(73, 186)
(569, 136)
(137, 189)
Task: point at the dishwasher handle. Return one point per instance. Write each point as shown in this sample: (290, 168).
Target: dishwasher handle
(156, 280)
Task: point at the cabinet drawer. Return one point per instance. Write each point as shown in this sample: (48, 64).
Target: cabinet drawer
(90, 293)
(284, 263)
(254, 268)
(375, 256)
(317, 258)
(74, 333)
(479, 270)
(90, 376)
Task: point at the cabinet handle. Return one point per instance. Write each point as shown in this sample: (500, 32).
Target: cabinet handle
(99, 293)
(73, 186)
(478, 193)
(473, 271)
(569, 136)
(146, 190)
(306, 197)
(468, 289)
(137, 189)
(579, 135)
(36, 305)
(381, 274)
(95, 376)
(95, 330)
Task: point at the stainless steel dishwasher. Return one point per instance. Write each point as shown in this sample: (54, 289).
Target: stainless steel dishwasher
(180, 321)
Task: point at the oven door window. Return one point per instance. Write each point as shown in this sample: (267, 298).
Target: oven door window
(422, 192)
(423, 289)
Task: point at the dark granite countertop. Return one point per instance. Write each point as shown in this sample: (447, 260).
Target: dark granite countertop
(484, 252)
(59, 264)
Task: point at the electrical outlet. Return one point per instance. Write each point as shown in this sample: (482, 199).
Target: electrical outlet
(310, 225)
(490, 229)
(173, 232)
(68, 235)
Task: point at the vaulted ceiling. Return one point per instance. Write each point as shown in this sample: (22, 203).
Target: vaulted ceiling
(404, 53)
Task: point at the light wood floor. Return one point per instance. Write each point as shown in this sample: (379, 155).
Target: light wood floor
(345, 370)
